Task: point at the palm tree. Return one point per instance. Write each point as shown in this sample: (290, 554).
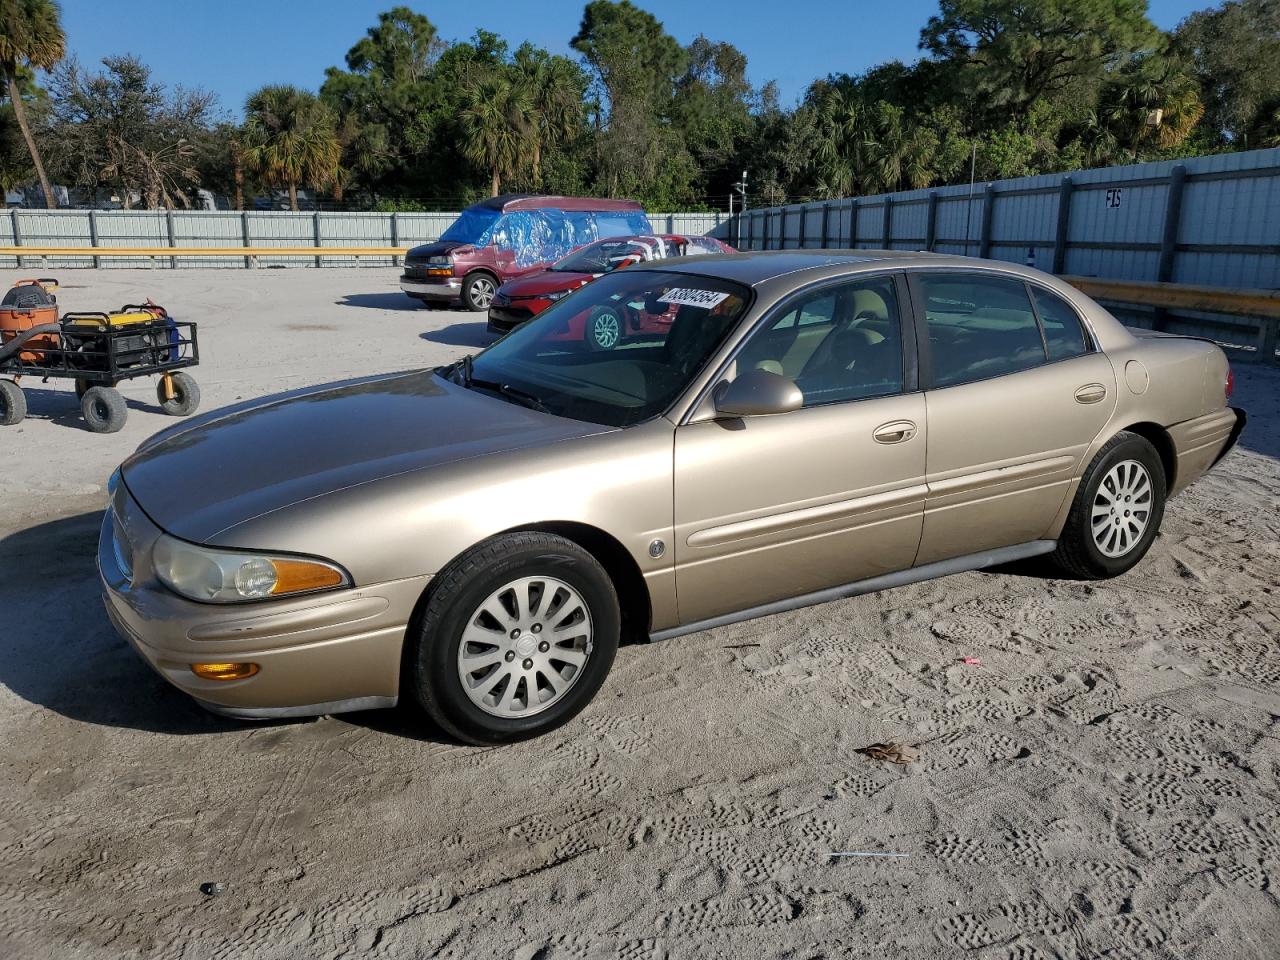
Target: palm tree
(839, 155)
(900, 153)
(289, 139)
(30, 36)
(1152, 101)
(556, 99)
(497, 125)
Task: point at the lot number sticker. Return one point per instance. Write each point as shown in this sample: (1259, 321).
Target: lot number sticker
(689, 297)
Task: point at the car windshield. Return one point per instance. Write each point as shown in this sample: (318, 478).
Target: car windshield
(604, 256)
(472, 226)
(617, 352)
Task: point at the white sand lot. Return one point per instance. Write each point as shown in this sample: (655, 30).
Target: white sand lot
(1103, 785)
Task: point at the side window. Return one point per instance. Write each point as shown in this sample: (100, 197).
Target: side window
(842, 343)
(1063, 332)
(979, 327)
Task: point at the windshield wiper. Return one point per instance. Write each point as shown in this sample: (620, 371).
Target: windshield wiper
(471, 381)
(511, 393)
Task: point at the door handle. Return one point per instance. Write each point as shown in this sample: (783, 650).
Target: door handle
(895, 432)
(1091, 393)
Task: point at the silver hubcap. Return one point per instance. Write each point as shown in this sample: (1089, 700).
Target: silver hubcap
(605, 329)
(482, 292)
(525, 647)
(1121, 508)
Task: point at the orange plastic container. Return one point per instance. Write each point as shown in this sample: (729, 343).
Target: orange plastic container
(30, 303)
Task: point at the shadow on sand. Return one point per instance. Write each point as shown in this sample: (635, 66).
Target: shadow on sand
(380, 301)
(472, 334)
(60, 652)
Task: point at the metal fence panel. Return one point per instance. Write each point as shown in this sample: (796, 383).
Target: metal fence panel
(1203, 220)
(909, 223)
(208, 228)
(254, 228)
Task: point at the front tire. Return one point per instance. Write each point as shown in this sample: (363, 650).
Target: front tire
(104, 409)
(186, 395)
(1116, 513)
(478, 290)
(517, 637)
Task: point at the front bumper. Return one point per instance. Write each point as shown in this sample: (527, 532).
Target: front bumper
(323, 653)
(448, 289)
(506, 317)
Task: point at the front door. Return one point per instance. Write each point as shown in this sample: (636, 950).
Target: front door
(1015, 395)
(773, 507)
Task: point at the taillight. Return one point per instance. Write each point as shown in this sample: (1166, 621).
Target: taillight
(1230, 385)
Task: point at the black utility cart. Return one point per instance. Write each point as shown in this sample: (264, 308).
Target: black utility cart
(98, 351)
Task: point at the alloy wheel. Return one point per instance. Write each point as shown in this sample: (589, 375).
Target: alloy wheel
(606, 330)
(482, 291)
(524, 647)
(1121, 508)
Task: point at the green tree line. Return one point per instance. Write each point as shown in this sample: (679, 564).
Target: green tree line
(1003, 88)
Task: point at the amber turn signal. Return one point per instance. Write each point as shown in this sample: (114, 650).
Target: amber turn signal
(224, 671)
(299, 576)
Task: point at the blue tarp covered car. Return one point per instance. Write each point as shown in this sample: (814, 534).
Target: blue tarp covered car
(506, 237)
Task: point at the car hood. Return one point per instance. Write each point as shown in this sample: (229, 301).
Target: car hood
(237, 464)
(437, 249)
(540, 284)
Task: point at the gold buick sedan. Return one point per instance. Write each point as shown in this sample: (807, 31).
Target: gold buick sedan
(782, 429)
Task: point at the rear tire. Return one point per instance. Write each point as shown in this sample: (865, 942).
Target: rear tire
(478, 290)
(104, 409)
(186, 395)
(13, 403)
(538, 618)
(1116, 513)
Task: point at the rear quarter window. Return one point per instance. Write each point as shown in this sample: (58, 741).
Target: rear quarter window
(1064, 335)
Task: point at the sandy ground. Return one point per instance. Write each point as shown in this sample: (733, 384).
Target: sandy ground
(1104, 784)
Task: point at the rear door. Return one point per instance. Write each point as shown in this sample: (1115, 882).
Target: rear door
(1015, 392)
(773, 507)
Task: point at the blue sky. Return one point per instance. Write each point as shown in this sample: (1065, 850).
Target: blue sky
(234, 46)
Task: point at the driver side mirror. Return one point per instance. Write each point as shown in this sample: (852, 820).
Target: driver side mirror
(758, 393)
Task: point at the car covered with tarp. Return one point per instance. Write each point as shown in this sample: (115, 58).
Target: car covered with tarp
(510, 236)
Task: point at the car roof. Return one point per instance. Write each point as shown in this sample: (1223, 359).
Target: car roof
(759, 266)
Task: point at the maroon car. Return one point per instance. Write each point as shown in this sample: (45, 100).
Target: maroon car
(511, 236)
(519, 300)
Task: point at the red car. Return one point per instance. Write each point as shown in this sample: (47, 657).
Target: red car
(519, 300)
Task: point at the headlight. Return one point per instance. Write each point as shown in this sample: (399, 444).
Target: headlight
(229, 576)
(558, 295)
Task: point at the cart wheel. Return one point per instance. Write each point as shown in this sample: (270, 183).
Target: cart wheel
(104, 410)
(82, 386)
(185, 398)
(13, 403)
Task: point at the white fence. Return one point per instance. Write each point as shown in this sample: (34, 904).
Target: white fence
(180, 228)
